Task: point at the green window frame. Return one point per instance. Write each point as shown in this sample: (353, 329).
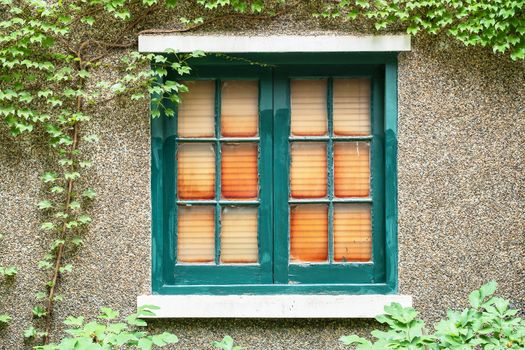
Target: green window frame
(274, 274)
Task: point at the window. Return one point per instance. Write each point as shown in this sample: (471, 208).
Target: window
(278, 178)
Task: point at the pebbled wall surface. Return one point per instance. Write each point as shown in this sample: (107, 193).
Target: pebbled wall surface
(461, 172)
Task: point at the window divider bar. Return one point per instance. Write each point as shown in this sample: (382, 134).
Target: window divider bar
(333, 200)
(222, 139)
(330, 158)
(221, 202)
(217, 171)
(328, 138)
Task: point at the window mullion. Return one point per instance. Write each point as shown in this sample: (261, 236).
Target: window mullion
(281, 115)
(218, 171)
(330, 151)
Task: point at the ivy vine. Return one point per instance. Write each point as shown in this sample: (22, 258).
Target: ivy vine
(7, 273)
(499, 25)
(52, 51)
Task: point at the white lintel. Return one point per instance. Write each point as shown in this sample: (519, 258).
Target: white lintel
(274, 43)
(271, 306)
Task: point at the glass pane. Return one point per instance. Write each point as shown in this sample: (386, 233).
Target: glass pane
(352, 107)
(196, 234)
(309, 108)
(196, 171)
(239, 235)
(308, 174)
(352, 169)
(240, 108)
(239, 171)
(196, 112)
(352, 232)
(309, 233)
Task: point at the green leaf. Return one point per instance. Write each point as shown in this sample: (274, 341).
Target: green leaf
(66, 268)
(57, 189)
(39, 311)
(84, 74)
(10, 271)
(89, 193)
(85, 163)
(49, 177)
(135, 321)
(84, 219)
(56, 243)
(353, 339)
(74, 205)
(45, 204)
(72, 175)
(5, 319)
(88, 20)
(108, 313)
(47, 226)
(31, 332)
(145, 344)
(91, 138)
(44, 265)
(74, 321)
(77, 241)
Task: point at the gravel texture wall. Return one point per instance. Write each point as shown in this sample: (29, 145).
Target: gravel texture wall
(461, 204)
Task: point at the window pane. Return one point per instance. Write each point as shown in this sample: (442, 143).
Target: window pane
(196, 234)
(351, 107)
(239, 235)
(308, 174)
(352, 232)
(239, 171)
(240, 108)
(352, 169)
(196, 171)
(196, 112)
(309, 233)
(309, 108)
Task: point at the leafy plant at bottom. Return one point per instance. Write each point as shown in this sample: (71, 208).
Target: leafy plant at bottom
(226, 344)
(488, 324)
(110, 333)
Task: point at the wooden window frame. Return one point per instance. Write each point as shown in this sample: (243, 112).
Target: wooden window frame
(274, 274)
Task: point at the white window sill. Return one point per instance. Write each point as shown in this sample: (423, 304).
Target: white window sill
(271, 306)
(275, 43)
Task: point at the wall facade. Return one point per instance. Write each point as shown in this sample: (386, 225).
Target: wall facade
(461, 162)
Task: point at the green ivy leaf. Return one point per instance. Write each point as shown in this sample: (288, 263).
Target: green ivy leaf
(84, 219)
(47, 226)
(91, 138)
(74, 321)
(40, 295)
(89, 193)
(66, 268)
(108, 313)
(5, 319)
(44, 265)
(74, 205)
(45, 204)
(49, 177)
(88, 20)
(85, 163)
(39, 311)
(10, 271)
(77, 241)
(31, 332)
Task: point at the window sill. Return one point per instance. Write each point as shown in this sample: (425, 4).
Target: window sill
(271, 306)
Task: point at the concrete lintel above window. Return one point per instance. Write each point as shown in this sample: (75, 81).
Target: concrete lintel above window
(274, 43)
(271, 306)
